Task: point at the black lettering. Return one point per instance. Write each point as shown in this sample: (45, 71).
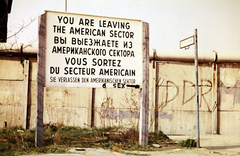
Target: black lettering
(119, 63)
(86, 22)
(84, 61)
(67, 60)
(54, 70)
(104, 85)
(94, 63)
(59, 29)
(114, 24)
(81, 21)
(59, 19)
(52, 79)
(66, 71)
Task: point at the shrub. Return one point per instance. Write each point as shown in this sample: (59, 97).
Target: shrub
(188, 143)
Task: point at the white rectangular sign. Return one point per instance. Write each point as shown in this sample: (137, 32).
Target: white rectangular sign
(185, 43)
(92, 51)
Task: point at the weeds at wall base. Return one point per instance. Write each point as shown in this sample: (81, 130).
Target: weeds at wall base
(58, 138)
(188, 143)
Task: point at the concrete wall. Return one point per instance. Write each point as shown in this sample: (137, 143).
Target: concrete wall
(11, 84)
(171, 104)
(176, 103)
(219, 108)
(229, 98)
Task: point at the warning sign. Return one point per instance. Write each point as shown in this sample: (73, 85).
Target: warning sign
(92, 51)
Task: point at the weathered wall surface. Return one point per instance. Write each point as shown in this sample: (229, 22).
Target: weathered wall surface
(175, 92)
(229, 98)
(11, 84)
(171, 104)
(114, 107)
(68, 106)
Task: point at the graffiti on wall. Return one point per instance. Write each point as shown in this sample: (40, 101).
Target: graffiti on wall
(115, 114)
(125, 108)
(234, 91)
(188, 92)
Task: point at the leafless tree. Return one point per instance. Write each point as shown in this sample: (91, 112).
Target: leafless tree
(21, 27)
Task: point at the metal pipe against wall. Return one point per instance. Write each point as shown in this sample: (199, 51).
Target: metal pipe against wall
(188, 56)
(228, 57)
(182, 56)
(16, 49)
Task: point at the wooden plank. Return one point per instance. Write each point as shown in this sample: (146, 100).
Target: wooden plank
(40, 80)
(25, 93)
(144, 100)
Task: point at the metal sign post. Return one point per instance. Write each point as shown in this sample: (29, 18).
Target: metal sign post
(196, 87)
(185, 43)
(65, 5)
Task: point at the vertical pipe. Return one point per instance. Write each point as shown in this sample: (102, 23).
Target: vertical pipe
(214, 99)
(196, 87)
(156, 96)
(65, 5)
(25, 93)
(93, 106)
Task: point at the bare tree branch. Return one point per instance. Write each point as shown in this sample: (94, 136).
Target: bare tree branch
(23, 26)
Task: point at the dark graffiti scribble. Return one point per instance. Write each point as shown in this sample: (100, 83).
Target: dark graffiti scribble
(175, 86)
(205, 83)
(184, 101)
(167, 99)
(234, 90)
(109, 114)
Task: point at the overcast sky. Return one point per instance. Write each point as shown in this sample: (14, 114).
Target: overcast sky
(217, 21)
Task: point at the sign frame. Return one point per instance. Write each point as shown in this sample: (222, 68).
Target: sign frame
(187, 45)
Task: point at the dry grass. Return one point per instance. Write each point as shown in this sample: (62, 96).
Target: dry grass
(58, 138)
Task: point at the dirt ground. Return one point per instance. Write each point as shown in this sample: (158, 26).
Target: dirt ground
(211, 145)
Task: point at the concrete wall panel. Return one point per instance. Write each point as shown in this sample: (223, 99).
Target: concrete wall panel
(116, 107)
(11, 68)
(184, 122)
(11, 110)
(11, 114)
(176, 97)
(229, 87)
(229, 98)
(229, 122)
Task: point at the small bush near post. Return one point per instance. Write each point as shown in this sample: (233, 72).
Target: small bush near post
(188, 143)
